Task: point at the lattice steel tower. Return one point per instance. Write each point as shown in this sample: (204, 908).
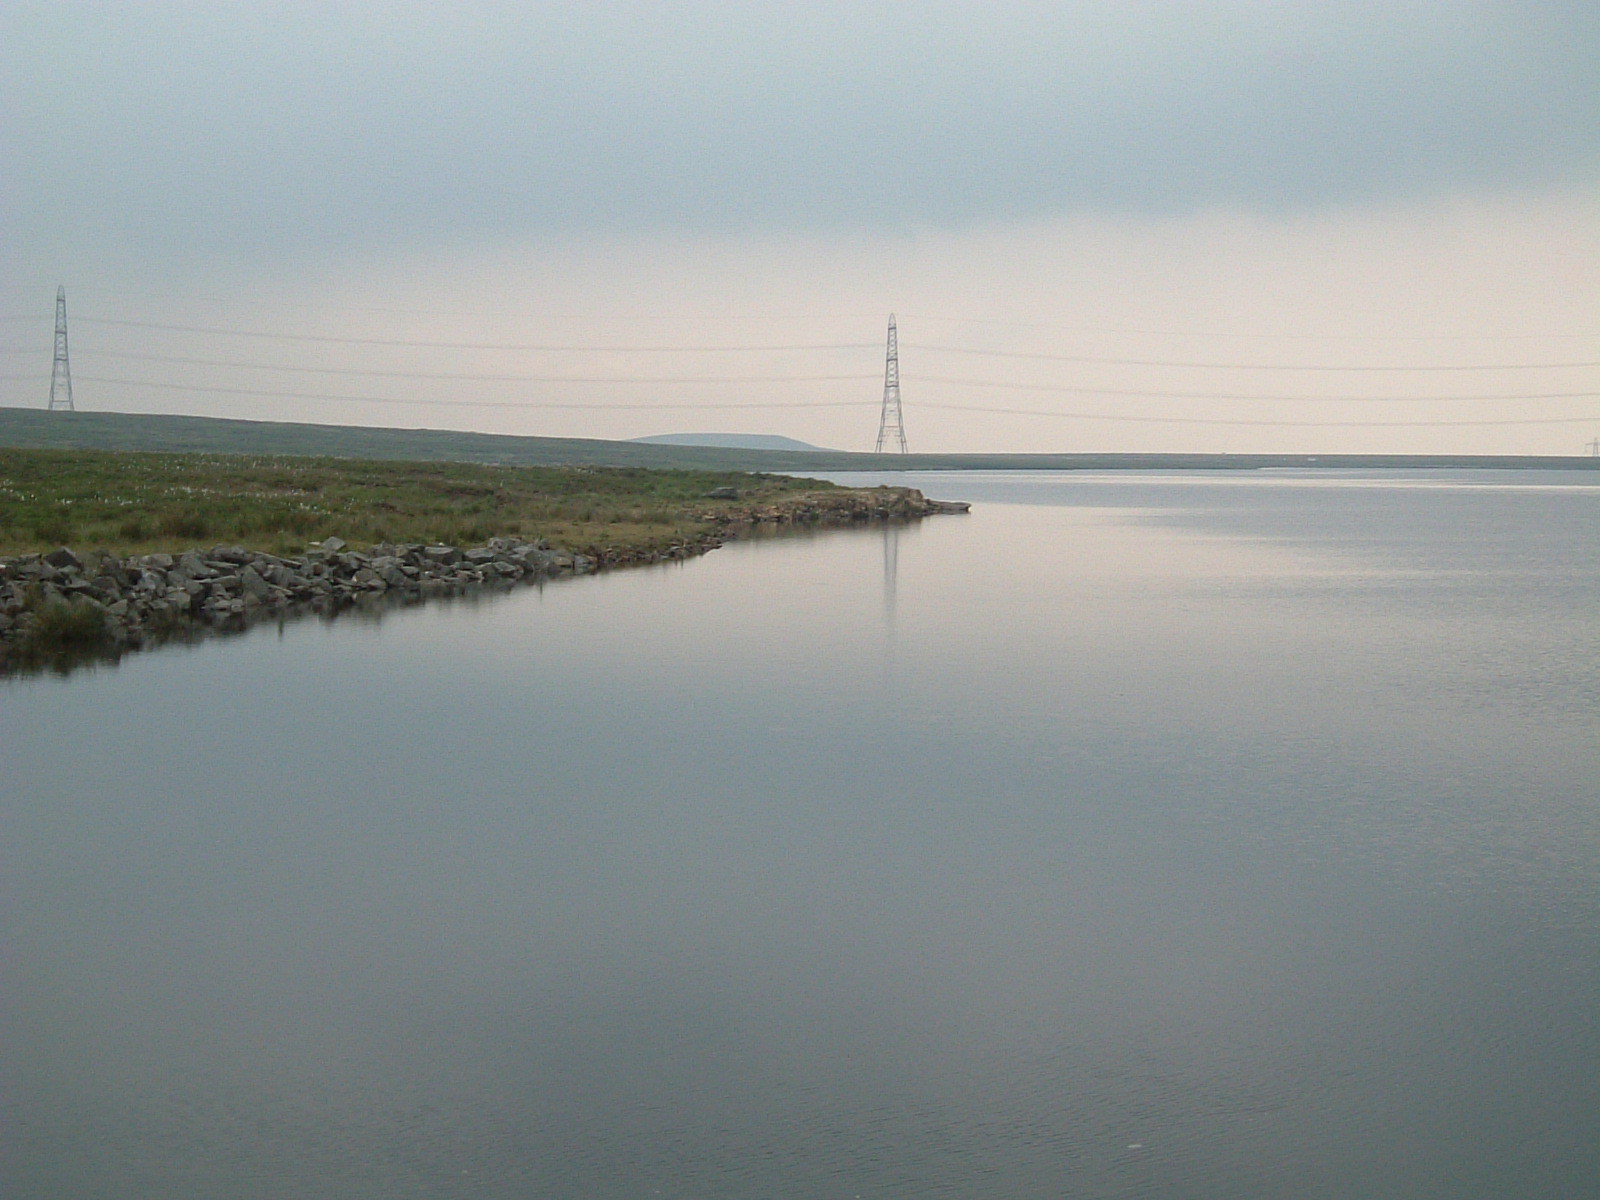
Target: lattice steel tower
(891, 425)
(61, 369)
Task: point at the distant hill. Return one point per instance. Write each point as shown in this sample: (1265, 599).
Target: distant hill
(728, 441)
(221, 435)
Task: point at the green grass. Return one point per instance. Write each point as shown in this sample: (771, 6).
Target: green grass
(133, 503)
(66, 625)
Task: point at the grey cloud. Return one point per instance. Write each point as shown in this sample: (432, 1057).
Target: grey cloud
(238, 129)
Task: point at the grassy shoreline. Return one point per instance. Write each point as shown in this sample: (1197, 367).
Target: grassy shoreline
(141, 503)
(103, 552)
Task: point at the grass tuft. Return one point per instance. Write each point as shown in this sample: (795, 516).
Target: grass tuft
(68, 624)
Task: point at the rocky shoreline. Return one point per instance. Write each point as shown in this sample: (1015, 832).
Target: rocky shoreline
(65, 601)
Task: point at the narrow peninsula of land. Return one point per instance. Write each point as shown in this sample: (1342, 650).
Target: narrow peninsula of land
(103, 551)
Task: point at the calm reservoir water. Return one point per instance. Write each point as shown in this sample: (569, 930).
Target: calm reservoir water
(1202, 836)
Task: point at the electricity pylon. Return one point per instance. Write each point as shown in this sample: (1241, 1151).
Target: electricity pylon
(891, 425)
(61, 369)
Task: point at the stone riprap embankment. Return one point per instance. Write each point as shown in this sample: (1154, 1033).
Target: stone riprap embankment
(122, 602)
(154, 593)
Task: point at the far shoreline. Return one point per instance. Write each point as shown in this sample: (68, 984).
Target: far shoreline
(220, 435)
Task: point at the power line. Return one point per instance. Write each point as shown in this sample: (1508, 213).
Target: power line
(667, 380)
(658, 349)
(480, 314)
(671, 406)
(528, 404)
(1143, 362)
(1168, 395)
(891, 420)
(61, 369)
(348, 341)
(768, 348)
(214, 362)
(1082, 416)
(1287, 337)
(1061, 389)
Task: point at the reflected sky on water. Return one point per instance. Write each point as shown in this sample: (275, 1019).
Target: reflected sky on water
(1226, 836)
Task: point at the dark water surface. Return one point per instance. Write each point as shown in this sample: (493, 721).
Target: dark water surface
(1150, 836)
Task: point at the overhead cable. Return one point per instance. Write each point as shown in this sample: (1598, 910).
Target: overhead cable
(1268, 337)
(1083, 416)
(920, 378)
(529, 404)
(676, 405)
(214, 362)
(524, 315)
(1171, 395)
(480, 314)
(356, 341)
(1161, 362)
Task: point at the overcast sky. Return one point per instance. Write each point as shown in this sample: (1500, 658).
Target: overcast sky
(1346, 185)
